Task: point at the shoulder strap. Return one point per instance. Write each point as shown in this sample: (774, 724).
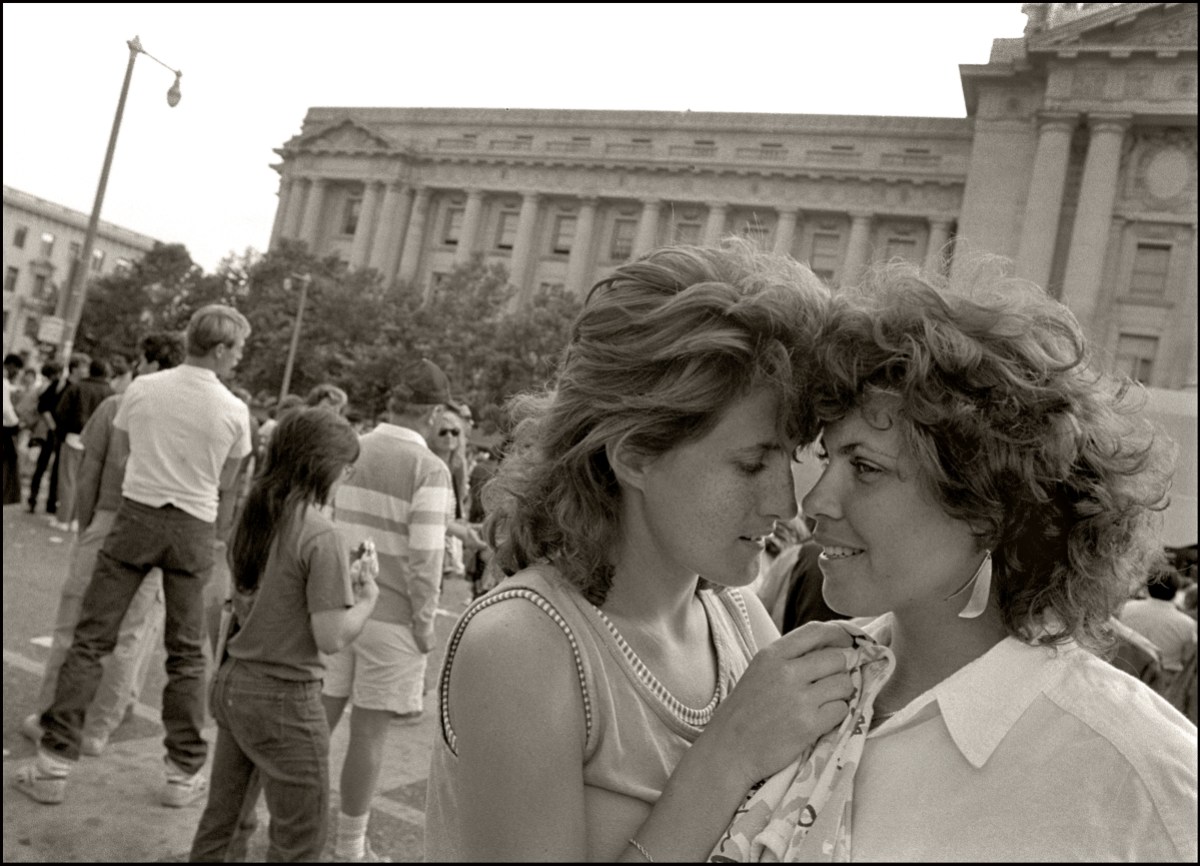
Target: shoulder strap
(488, 600)
(736, 605)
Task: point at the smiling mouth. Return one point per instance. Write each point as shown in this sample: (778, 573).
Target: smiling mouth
(840, 552)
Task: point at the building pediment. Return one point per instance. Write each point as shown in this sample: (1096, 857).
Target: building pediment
(346, 136)
(1120, 27)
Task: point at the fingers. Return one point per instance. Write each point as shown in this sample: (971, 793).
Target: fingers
(821, 663)
(810, 636)
(836, 688)
(830, 715)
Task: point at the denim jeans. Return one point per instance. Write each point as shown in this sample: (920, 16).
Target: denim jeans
(142, 537)
(271, 733)
(141, 628)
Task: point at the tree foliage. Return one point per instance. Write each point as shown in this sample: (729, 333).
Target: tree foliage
(355, 332)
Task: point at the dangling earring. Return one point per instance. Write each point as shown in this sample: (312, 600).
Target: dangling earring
(978, 601)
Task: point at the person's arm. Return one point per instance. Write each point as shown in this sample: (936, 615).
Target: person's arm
(517, 713)
(426, 552)
(334, 629)
(97, 435)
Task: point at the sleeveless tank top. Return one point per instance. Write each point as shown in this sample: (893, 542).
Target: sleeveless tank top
(636, 731)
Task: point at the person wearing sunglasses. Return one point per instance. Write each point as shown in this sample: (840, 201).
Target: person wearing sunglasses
(449, 443)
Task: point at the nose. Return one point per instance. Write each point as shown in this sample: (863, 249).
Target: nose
(820, 501)
(781, 498)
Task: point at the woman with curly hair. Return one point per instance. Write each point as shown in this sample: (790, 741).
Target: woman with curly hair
(988, 502)
(585, 703)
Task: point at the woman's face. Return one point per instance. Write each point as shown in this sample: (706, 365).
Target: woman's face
(888, 545)
(711, 503)
(444, 439)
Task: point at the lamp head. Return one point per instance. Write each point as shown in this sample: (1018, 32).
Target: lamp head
(173, 94)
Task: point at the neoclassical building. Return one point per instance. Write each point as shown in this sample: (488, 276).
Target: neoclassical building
(1076, 158)
(42, 244)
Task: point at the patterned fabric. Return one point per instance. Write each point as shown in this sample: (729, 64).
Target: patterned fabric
(802, 813)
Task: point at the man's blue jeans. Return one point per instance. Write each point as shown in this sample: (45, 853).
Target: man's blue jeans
(142, 537)
(272, 735)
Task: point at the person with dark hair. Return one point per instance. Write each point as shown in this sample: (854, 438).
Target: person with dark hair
(186, 435)
(402, 498)
(1158, 619)
(12, 426)
(47, 433)
(98, 498)
(987, 502)
(587, 708)
(296, 595)
(75, 407)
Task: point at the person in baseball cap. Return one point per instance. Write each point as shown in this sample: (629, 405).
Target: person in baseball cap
(422, 383)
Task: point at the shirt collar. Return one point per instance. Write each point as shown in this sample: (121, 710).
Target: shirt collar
(981, 701)
(407, 434)
(192, 370)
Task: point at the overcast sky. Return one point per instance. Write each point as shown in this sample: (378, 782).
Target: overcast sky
(199, 173)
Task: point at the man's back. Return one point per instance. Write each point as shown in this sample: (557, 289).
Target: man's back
(183, 425)
(400, 495)
(1167, 627)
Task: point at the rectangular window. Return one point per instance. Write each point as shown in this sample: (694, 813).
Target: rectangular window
(47, 245)
(549, 288)
(350, 216)
(622, 240)
(564, 233)
(97, 260)
(31, 326)
(756, 232)
(1150, 265)
(10, 279)
(826, 254)
(73, 251)
(1136, 356)
(453, 229)
(122, 266)
(39, 286)
(901, 248)
(506, 233)
(687, 233)
(19, 237)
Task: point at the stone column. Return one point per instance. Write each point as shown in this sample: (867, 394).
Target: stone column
(647, 233)
(1043, 205)
(715, 227)
(1189, 375)
(785, 231)
(295, 208)
(472, 216)
(523, 246)
(577, 265)
(939, 234)
(285, 198)
(414, 237)
(1093, 216)
(312, 213)
(389, 228)
(366, 225)
(858, 246)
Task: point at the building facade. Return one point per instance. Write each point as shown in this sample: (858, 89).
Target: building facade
(42, 245)
(1076, 158)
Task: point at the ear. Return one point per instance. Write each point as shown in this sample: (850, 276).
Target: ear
(628, 464)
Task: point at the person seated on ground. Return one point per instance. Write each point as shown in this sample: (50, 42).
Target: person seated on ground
(988, 498)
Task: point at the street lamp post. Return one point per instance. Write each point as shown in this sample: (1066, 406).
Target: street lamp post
(70, 304)
(304, 280)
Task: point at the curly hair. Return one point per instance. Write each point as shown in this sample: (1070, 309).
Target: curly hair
(1017, 431)
(660, 349)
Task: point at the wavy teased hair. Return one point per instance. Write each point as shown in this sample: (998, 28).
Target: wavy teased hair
(308, 449)
(1017, 432)
(660, 350)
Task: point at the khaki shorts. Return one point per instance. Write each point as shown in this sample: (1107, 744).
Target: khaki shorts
(381, 670)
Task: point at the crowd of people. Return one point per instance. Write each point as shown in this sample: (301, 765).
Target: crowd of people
(963, 643)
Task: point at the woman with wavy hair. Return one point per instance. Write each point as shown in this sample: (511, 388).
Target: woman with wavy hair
(987, 503)
(296, 593)
(587, 709)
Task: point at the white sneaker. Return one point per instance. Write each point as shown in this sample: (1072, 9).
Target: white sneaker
(182, 790)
